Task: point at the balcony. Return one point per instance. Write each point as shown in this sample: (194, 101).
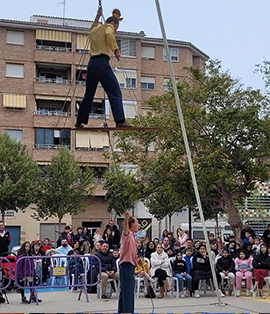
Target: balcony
(52, 80)
(53, 48)
(51, 112)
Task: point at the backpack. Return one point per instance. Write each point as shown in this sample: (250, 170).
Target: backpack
(150, 293)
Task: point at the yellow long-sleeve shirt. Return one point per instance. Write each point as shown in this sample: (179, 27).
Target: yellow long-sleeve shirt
(143, 267)
(102, 39)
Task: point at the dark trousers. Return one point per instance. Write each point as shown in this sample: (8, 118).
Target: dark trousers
(201, 274)
(127, 285)
(161, 276)
(99, 70)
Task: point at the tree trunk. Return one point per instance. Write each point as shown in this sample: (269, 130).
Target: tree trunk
(234, 218)
(59, 224)
(3, 214)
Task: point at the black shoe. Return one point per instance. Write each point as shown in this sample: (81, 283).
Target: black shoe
(24, 300)
(104, 297)
(34, 300)
(124, 125)
(78, 125)
(2, 300)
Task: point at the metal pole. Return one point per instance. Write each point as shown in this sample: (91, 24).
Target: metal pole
(190, 162)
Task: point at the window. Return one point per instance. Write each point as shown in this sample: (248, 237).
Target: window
(15, 38)
(130, 109)
(127, 47)
(167, 84)
(15, 135)
(174, 54)
(14, 70)
(148, 52)
(148, 83)
(126, 78)
(48, 138)
(89, 140)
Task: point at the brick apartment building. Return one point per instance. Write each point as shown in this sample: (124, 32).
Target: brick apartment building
(43, 65)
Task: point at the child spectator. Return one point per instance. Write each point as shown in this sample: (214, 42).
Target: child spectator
(225, 267)
(243, 267)
(46, 245)
(180, 271)
(142, 271)
(256, 245)
(188, 258)
(75, 265)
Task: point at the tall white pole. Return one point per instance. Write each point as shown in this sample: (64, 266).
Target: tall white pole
(190, 162)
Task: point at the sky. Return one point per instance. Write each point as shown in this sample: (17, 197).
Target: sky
(233, 31)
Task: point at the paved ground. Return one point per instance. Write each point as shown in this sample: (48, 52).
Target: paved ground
(67, 302)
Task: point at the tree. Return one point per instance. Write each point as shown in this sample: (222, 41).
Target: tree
(123, 190)
(228, 131)
(19, 176)
(65, 187)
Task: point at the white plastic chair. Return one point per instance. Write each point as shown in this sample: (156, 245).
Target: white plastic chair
(116, 284)
(57, 261)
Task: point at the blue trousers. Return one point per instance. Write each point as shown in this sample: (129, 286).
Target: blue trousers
(180, 281)
(127, 285)
(99, 70)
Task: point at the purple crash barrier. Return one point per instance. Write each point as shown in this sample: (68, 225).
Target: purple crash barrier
(64, 271)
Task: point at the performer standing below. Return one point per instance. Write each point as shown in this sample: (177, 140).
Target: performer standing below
(102, 43)
(128, 261)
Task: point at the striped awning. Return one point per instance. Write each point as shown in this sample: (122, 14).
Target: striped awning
(60, 98)
(83, 42)
(14, 101)
(53, 35)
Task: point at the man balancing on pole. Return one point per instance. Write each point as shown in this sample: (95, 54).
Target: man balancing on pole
(103, 42)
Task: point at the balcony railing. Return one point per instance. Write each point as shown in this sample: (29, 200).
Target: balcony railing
(50, 146)
(54, 81)
(53, 112)
(103, 149)
(52, 48)
(99, 180)
(81, 82)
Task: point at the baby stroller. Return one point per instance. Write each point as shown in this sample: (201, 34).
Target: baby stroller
(8, 272)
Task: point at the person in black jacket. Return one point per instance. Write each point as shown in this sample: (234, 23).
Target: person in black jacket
(115, 233)
(80, 237)
(108, 267)
(261, 266)
(247, 229)
(201, 269)
(180, 271)
(4, 239)
(150, 248)
(266, 235)
(66, 235)
(226, 267)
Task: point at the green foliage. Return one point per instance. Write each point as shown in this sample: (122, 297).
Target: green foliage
(65, 187)
(228, 133)
(123, 190)
(19, 175)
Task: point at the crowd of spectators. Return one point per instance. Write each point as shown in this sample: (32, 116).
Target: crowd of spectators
(171, 255)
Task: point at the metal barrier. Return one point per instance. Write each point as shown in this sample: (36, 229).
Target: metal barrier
(63, 269)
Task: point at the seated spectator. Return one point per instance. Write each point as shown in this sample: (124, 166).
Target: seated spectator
(243, 267)
(261, 266)
(67, 235)
(76, 246)
(156, 241)
(75, 265)
(164, 234)
(171, 239)
(201, 270)
(142, 271)
(245, 239)
(160, 268)
(97, 247)
(219, 244)
(170, 252)
(140, 248)
(64, 248)
(196, 246)
(108, 237)
(166, 244)
(256, 246)
(46, 245)
(150, 248)
(115, 232)
(116, 253)
(225, 266)
(180, 271)
(248, 248)
(108, 267)
(177, 247)
(188, 258)
(212, 238)
(214, 248)
(251, 240)
(80, 237)
(181, 238)
(98, 236)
